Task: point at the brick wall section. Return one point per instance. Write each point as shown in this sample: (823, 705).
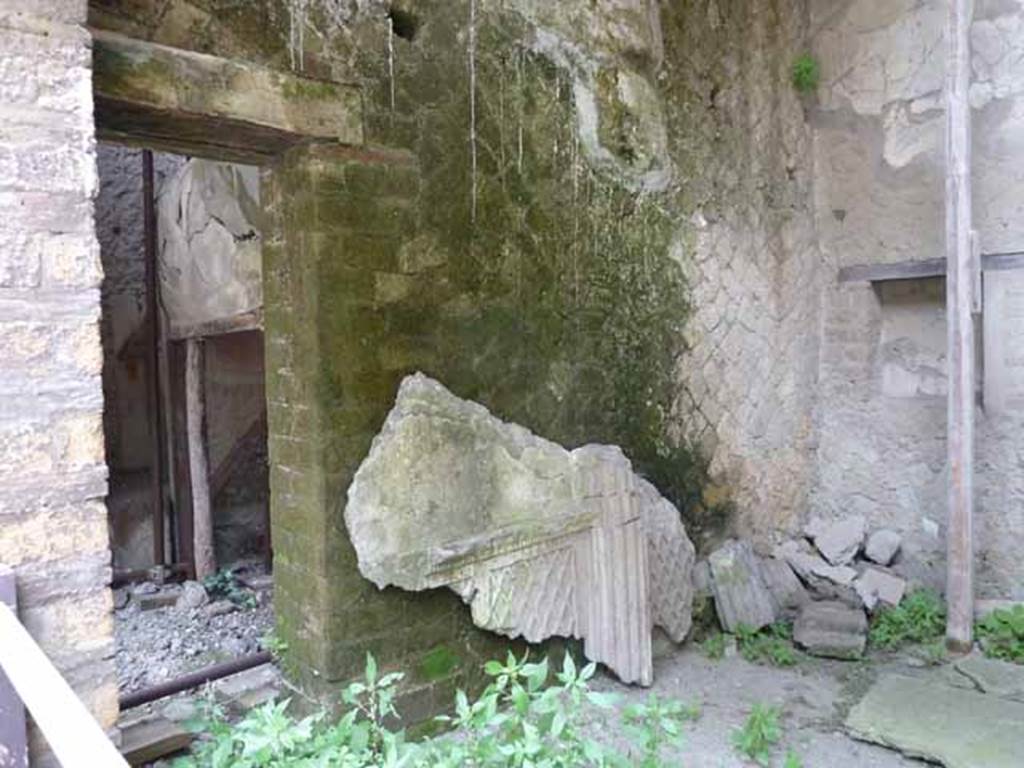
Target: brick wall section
(53, 526)
(343, 326)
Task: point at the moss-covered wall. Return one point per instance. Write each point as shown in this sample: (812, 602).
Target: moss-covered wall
(550, 174)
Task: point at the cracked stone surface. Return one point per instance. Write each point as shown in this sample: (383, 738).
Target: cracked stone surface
(210, 242)
(941, 723)
(538, 540)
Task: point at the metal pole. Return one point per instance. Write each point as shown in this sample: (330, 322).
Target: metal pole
(193, 680)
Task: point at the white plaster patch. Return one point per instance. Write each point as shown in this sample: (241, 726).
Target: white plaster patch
(881, 51)
(906, 138)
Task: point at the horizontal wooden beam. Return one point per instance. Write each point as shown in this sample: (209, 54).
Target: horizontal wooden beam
(245, 321)
(74, 736)
(916, 270)
(13, 737)
(192, 103)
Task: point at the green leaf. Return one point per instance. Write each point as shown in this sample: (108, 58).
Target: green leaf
(371, 669)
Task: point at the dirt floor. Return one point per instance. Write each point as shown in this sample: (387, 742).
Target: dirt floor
(814, 697)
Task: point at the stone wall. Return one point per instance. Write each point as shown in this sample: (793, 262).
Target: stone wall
(879, 198)
(602, 231)
(53, 526)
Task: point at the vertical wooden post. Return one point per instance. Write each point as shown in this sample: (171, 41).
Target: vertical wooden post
(152, 360)
(959, 283)
(198, 459)
(13, 739)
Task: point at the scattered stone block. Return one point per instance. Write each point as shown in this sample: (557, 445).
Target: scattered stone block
(154, 600)
(828, 582)
(954, 727)
(741, 596)
(121, 598)
(832, 629)
(878, 587)
(785, 588)
(840, 541)
(538, 540)
(219, 608)
(702, 579)
(882, 546)
(193, 595)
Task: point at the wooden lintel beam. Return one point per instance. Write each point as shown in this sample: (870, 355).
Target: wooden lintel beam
(193, 103)
(244, 321)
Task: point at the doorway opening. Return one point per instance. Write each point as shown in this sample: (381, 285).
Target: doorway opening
(185, 420)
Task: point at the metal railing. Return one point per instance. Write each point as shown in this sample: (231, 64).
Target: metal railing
(28, 680)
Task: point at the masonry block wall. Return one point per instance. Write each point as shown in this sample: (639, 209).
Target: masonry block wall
(344, 323)
(53, 526)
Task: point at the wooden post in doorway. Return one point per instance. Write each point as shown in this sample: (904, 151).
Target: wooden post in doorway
(959, 302)
(198, 459)
(153, 394)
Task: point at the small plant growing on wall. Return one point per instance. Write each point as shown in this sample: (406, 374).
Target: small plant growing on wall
(806, 73)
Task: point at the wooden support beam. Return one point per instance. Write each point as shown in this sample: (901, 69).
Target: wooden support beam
(244, 321)
(192, 103)
(152, 323)
(198, 458)
(70, 730)
(960, 332)
(13, 744)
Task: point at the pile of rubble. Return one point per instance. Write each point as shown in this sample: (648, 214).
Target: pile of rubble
(163, 631)
(826, 584)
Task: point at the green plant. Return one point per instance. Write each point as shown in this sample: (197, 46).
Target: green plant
(714, 646)
(654, 725)
(1002, 634)
(268, 737)
(772, 645)
(793, 760)
(806, 73)
(225, 585)
(519, 720)
(919, 618)
(759, 734)
(274, 644)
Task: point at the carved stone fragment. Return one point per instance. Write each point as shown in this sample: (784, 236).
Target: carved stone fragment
(538, 540)
(741, 596)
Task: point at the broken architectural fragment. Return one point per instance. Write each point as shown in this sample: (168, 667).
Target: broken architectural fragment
(540, 541)
(741, 596)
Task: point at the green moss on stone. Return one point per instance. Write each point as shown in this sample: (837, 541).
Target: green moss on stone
(439, 662)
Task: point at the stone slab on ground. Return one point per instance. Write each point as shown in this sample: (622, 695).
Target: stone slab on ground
(741, 595)
(952, 726)
(1001, 678)
(831, 629)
